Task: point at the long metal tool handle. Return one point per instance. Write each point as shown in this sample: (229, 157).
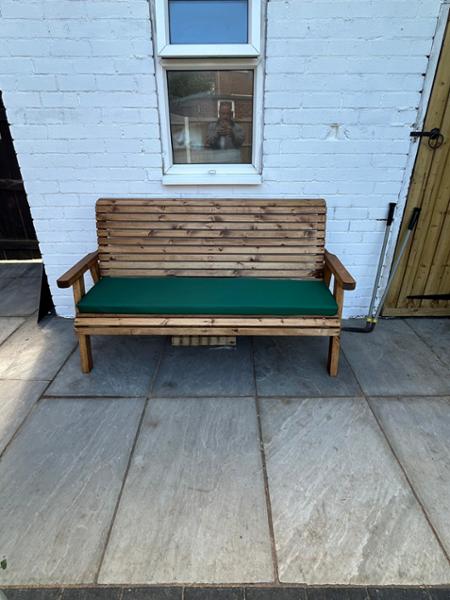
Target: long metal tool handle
(408, 234)
(389, 221)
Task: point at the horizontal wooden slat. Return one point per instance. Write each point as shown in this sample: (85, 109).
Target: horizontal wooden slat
(190, 217)
(173, 264)
(219, 250)
(207, 272)
(211, 258)
(131, 239)
(135, 330)
(194, 233)
(240, 202)
(250, 226)
(200, 321)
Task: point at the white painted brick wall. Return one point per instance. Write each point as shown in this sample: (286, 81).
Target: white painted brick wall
(342, 89)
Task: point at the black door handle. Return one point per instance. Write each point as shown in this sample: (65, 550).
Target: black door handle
(435, 137)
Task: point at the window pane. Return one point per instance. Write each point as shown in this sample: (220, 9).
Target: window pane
(208, 21)
(211, 114)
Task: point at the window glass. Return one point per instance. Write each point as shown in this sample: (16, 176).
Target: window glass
(211, 115)
(208, 21)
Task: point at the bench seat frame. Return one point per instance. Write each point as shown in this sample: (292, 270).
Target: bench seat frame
(87, 324)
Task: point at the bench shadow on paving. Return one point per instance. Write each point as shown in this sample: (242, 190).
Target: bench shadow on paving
(124, 366)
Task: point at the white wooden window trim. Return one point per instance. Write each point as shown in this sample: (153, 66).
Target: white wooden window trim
(166, 49)
(211, 174)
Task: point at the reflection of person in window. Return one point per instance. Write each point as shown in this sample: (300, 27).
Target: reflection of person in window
(225, 134)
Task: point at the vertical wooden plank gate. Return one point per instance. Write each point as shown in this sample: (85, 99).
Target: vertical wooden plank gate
(422, 284)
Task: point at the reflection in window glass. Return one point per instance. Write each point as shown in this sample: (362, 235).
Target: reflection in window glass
(211, 114)
(208, 21)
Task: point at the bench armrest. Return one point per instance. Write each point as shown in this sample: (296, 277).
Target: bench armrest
(72, 275)
(339, 271)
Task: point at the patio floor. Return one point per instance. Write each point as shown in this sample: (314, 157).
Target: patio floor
(247, 467)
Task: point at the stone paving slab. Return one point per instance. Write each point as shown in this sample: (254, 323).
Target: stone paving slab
(294, 593)
(32, 594)
(393, 361)
(342, 511)
(59, 484)
(8, 325)
(193, 508)
(37, 350)
(20, 297)
(10, 269)
(236, 593)
(419, 431)
(154, 593)
(123, 366)
(435, 333)
(206, 371)
(16, 400)
(297, 366)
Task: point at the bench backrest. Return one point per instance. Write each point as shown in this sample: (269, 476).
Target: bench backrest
(260, 238)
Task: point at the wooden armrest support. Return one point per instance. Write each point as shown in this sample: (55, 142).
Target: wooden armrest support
(339, 271)
(73, 274)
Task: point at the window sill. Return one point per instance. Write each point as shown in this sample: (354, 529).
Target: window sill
(246, 175)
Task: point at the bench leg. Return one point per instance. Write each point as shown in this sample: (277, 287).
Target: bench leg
(85, 353)
(333, 355)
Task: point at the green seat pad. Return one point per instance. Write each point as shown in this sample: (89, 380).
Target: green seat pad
(208, 296)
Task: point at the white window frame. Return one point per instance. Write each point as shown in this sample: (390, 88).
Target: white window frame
(210, 57)
(166, 49)
(211, 174)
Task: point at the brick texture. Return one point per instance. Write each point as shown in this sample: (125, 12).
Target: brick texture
(343, 83)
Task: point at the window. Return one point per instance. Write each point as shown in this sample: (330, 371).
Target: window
(208, 27)
(208, 21)
(211, 116)
(210, 80)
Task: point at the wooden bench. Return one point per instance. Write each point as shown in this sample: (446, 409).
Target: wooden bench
(269, 246)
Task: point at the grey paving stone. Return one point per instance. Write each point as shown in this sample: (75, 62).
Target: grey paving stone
(435, 333)
(59, 483)
(398, 594)
(206, 371)
(275, 593)
(439, 593)
(20, 297)
(213, 594)
(123, 366)
(337, 593)
(37, 350)
(9, 269)
(16, 400)
(419, 431)
(298, 367)
(92, 594)
(8, 325)
(153, 593)
(393, 361)
(193, 508)
(343, 513)
(32, 594)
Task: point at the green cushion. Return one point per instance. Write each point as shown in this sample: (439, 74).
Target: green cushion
(208, 296)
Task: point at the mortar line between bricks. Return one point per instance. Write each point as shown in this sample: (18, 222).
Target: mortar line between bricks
(273, 548)
(130, 458)
(405, 473)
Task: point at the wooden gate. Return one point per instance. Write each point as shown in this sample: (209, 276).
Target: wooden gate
(17, 235)
(422, 284)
